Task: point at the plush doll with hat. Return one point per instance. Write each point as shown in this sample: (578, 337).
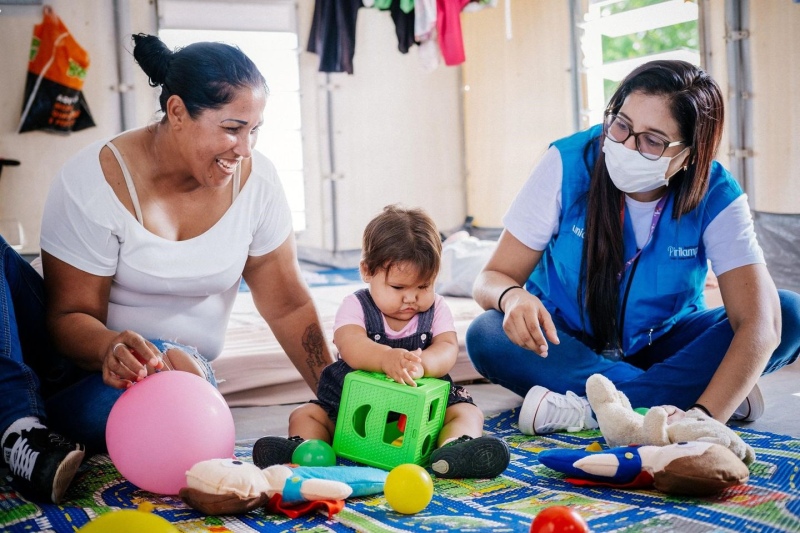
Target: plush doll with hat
(675, 452)
(230, 486)
(659, 426)
(686, 468)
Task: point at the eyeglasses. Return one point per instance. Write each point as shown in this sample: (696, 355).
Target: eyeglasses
(650, 145)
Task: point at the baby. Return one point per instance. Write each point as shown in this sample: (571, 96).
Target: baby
(398, 326)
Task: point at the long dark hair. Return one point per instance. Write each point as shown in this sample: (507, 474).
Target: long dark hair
(695, 102)
(205, 75)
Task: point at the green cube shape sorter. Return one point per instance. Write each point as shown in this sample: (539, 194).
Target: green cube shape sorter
(382, 423)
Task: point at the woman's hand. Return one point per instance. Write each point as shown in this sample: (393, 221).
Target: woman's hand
(129, 358)
(403, 366)
(527, 323)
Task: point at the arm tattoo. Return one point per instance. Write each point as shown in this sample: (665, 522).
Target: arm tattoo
(314, 343)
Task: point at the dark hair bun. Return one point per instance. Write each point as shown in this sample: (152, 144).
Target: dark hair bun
(204, 75)
(153, 57)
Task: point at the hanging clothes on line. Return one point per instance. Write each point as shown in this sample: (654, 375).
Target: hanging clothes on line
(433, 24)
(403, 12)
(425, 34)
(448, 26)
(424, 20)
(333, 34)
(407, 6)
(403, 24)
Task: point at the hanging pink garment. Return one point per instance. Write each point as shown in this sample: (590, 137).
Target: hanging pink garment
(448, 25)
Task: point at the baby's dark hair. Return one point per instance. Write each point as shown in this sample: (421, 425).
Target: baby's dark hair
(205, 75)
(401, 235)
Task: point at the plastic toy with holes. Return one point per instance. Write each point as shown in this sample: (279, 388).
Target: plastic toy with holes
(384, 424)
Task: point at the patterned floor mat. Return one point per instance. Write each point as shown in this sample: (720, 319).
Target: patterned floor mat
(769, 502)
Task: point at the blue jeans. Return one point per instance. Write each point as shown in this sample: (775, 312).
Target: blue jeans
(35, 380)
(674, 370)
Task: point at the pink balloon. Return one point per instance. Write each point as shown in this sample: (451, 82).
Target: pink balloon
(165, 424)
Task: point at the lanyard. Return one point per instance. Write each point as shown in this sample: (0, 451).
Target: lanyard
(656, 217)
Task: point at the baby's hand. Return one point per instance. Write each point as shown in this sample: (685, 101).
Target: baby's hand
(416, 369)
(403, 366)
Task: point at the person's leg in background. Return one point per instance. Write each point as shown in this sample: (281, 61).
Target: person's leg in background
(789, 348)
(679, 366)
(674, 371)
(566, 368)
(42, 463)
(553, 387)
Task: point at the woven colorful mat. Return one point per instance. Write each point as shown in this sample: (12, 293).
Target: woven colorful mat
(769, 502)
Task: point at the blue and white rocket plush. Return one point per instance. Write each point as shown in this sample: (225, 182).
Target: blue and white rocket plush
(692, 468)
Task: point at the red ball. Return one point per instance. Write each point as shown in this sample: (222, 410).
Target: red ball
(559, 519)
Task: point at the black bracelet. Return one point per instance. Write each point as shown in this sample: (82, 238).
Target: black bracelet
(702, 408)
(499, 307)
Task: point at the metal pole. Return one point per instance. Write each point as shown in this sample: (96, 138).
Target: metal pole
(125, 87)
(574, 64)
(332, 163)
(739, 94)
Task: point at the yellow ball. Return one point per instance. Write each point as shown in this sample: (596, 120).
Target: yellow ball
(408, 488)
(128, 521)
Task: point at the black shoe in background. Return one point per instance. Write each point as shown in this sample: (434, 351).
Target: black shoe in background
(42, 463)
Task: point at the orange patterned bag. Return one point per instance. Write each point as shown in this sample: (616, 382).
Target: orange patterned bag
(53, 98)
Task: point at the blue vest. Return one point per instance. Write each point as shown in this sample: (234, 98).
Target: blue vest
(663, 285)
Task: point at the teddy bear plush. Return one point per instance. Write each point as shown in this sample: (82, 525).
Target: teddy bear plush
(687, 468)
(659, 426)
(231, 486)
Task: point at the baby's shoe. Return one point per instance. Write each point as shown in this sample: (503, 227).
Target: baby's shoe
(268, 451)
(465, 457)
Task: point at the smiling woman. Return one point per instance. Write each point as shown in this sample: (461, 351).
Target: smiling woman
(275, 52)
(145, 239)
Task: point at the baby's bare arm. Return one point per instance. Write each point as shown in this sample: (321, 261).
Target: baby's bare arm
(363, 353)
(440, 357)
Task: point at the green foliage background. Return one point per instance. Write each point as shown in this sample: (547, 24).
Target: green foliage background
(679, 36)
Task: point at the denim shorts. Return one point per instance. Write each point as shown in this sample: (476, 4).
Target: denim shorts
(164, 345)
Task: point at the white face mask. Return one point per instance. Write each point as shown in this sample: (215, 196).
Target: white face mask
(631, 172)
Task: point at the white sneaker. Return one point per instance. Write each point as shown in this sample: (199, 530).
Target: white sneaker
(544, 411)
(751, 408)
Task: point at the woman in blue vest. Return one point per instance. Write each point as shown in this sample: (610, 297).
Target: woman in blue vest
(602, 264)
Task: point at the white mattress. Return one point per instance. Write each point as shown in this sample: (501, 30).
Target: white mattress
(254, 371)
